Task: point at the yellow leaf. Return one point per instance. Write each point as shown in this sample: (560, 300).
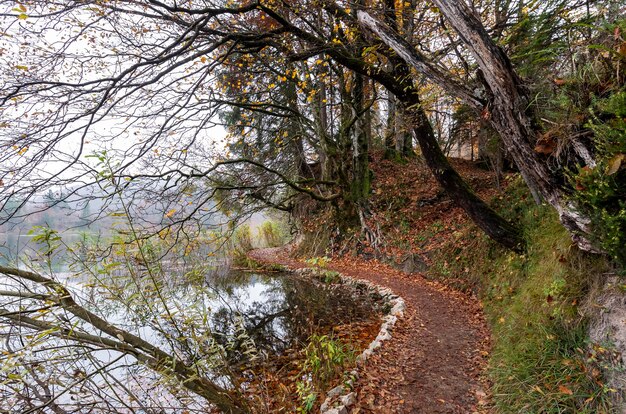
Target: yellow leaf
(203, 59)
(614, 164)
(170, 213)
(23, 151)
(21, 67)
(22, 8)
(22, 16)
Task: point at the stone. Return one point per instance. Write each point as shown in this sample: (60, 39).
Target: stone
(391, 320)
(410, 263)
(335, 392)
(384, 335)
(348, 399)
(337, 410)
(607, 328)
(398, 309)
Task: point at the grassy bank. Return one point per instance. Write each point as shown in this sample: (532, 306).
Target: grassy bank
(535, 302)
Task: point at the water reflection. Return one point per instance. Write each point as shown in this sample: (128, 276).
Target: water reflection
(281, 311)
(219, 325)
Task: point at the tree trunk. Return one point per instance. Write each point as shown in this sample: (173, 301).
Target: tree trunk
(390, 130)
(508, 116)
(507, 106)
(360, 151)
(403, 88)
(457, 189)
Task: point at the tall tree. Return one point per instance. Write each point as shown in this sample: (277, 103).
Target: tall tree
(505, 104)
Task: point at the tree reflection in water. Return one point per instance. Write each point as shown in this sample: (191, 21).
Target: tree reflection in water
(281, 312)
(215, 328)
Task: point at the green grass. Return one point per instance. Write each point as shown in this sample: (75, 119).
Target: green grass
(540, 361)
(538, 364)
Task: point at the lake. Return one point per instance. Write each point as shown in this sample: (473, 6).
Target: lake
(238, 329)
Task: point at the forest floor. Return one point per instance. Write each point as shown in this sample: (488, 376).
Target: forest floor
(433, 362)
(436, 359)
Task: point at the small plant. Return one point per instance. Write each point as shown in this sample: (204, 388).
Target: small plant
(325, 359)
(437, 226)
(601, 191)
(241, 244)
(306, 395)
(321, 262)
(330, 276)
(405, 226)
(48, 241)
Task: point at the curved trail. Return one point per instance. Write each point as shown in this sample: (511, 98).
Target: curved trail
(434, 360)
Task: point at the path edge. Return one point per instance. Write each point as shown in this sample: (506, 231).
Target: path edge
(340, 398)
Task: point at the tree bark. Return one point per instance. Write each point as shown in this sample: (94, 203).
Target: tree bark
(360, 149)
(506, 111)
(390, 130)
(402, 87)
(508, 116)
(457, 189)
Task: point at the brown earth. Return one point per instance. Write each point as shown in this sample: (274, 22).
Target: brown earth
(434, 361)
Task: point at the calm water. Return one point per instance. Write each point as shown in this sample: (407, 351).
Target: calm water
(222, 324)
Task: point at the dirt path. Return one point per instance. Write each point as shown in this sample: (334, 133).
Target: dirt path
(433, 363)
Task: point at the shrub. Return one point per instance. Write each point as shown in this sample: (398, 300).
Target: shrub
(241, 244)
(601, 191)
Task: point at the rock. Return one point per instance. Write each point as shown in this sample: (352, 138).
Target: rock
(339, 410)
(349, 399)
(608, 326)
(335, 392)
(410, 263)
(375, 344)
(384, 335)
(390, 320)
(398, 308)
